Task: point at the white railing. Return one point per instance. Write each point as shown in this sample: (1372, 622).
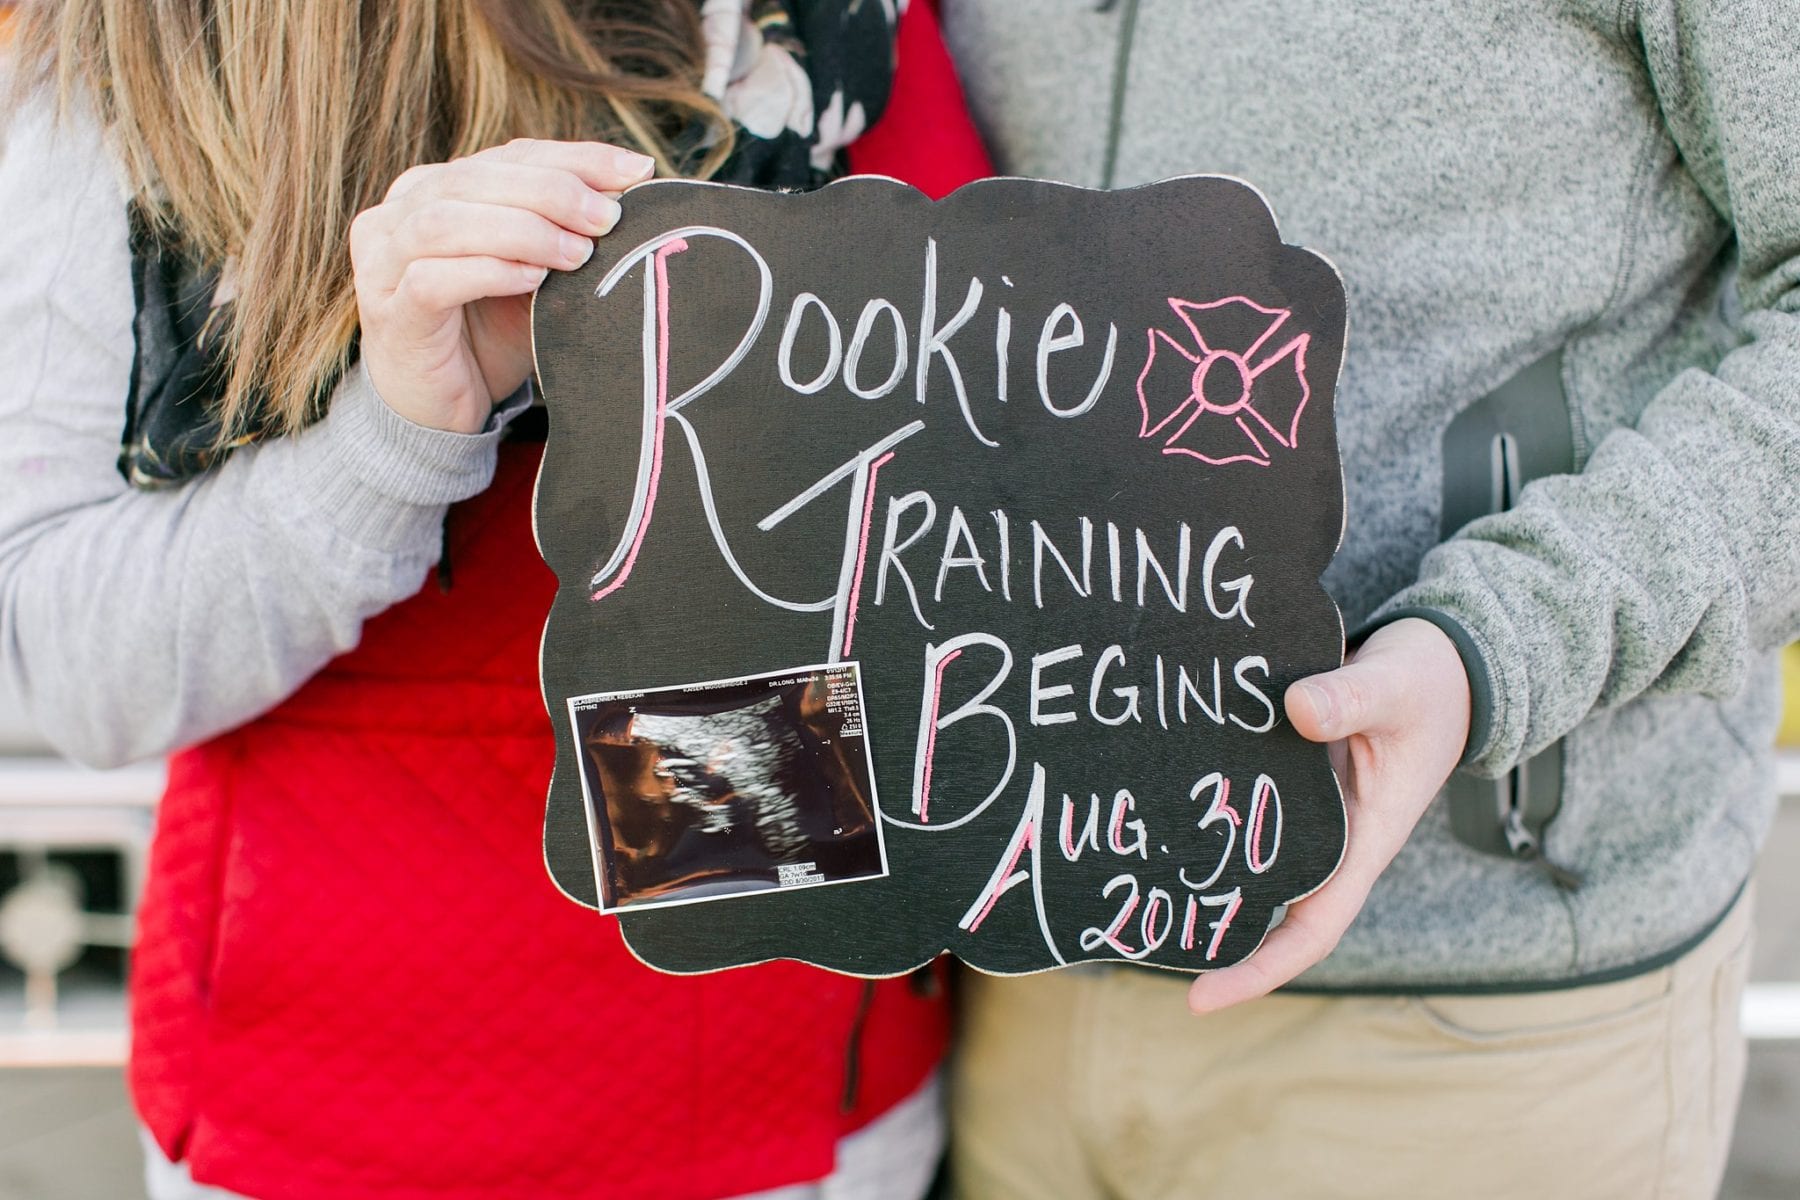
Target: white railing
(45, 803)
(1771, 1010)
(1787, 774)
(55, 783)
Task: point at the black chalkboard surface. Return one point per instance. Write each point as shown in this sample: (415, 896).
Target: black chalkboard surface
(930, 573)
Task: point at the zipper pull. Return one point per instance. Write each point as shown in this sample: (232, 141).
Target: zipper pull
(1520, 840)
(1525, 848)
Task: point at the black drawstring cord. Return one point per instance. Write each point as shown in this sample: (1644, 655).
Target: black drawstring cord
(443, 562)
(853, 1054)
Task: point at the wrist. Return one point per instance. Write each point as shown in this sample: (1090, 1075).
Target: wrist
(465, 415)
(1476, 675)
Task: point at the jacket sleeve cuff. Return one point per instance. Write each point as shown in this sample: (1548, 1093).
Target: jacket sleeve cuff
(1483, 709)
(383, 482)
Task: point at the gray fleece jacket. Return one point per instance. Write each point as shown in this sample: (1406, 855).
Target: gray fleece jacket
(1496, 179)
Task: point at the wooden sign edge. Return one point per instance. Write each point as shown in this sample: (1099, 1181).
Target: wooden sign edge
(1342, 808)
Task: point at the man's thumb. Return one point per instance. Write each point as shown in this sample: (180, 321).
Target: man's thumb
(1336, 704)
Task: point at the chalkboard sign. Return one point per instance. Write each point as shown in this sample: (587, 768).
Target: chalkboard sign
(931, 573)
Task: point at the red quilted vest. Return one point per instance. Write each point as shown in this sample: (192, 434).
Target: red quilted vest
(354, 978)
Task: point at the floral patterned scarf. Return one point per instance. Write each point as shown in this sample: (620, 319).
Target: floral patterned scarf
(800, 80)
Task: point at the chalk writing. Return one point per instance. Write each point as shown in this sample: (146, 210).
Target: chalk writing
(787, 428)
(1232, 403)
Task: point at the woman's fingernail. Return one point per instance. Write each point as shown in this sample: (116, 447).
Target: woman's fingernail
(633, 165)
(576, 250)
(601, 210)
(1322, 705)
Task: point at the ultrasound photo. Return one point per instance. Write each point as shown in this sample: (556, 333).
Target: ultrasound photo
(729, 787)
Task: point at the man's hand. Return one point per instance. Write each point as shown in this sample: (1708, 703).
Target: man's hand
(1397, 717)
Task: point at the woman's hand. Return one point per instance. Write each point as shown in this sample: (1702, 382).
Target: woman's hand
(1397, 715)
(445, 266)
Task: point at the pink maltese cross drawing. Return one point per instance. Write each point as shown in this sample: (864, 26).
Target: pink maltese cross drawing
(1233, 391)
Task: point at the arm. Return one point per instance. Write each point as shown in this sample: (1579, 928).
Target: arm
(1675, 554)
(1661, 567)
(136, 622)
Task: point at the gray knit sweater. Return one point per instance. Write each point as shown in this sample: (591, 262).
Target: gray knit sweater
(137, 622)
(1496, 179)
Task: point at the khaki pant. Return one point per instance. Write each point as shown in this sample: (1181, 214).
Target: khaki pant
(1098, 1083)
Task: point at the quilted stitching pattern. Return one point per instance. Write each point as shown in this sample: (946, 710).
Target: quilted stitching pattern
(355, 979)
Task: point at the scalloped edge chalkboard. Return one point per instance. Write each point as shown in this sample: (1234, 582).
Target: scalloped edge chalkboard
(1056, 469)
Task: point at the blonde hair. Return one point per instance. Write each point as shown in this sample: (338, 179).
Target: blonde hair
(253, 131)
